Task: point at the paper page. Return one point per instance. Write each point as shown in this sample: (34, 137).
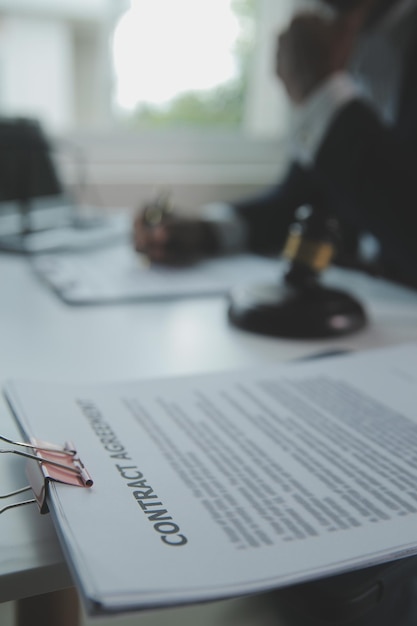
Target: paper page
(63, 240)
(237, 482)
(118, 273)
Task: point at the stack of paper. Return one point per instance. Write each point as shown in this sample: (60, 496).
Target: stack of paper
(223, 484)
(118, 273)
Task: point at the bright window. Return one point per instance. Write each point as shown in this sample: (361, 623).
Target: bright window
(95, 64)
(184, 62)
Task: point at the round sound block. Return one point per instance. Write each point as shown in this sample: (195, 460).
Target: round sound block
(286, 311)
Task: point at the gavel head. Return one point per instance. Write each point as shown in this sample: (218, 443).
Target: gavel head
(311, 245)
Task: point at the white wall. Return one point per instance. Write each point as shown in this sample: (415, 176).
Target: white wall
(267, 106)
(54, 60)
(64, 9)
(35, 63)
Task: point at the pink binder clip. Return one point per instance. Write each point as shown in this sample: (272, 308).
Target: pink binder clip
(53, 463)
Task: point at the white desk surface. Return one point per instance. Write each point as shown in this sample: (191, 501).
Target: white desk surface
(43, 338)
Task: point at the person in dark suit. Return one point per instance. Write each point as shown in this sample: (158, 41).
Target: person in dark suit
(352, 78)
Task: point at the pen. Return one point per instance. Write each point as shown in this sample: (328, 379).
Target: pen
(158, 211)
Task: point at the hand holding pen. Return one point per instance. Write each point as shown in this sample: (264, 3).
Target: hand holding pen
(166, 237)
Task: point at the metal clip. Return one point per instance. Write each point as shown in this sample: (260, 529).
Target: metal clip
(54, 463)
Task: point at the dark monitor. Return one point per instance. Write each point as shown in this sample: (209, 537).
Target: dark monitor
(31, 193)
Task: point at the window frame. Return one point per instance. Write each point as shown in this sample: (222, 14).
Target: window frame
(125, 168)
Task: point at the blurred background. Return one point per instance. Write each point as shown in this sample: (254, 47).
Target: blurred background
(136, 95)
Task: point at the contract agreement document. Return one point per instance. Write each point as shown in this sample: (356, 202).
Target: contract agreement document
(231, 483)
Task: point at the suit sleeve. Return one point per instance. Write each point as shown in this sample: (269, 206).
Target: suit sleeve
(370, 171)
(269, 215)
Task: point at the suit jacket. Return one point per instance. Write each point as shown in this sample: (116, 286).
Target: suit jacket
(365, 172)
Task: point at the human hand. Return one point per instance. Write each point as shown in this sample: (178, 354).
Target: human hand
(172, 240)
(313, 48)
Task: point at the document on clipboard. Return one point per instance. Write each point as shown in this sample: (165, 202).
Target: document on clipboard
(119, 274)
(217, 485)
